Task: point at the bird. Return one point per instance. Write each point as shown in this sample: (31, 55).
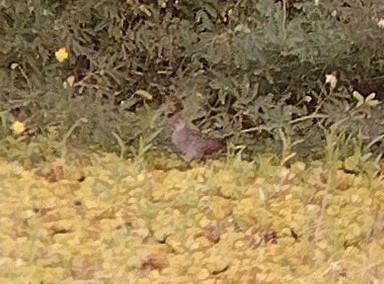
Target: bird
(193, 144)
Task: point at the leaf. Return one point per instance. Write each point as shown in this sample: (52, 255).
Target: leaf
(144, 94)
(154, 135)
(263, 195)
(370, 100)
(373, 103)
(242, 29)
(359, 98)
(351, 163)
(370, 97)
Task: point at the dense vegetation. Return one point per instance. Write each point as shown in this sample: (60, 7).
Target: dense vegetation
(253, 71)
(102, 219)
(294, 86)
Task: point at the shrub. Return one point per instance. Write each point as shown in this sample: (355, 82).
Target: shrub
(232, 66)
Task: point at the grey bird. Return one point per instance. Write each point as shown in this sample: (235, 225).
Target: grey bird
(193, 144)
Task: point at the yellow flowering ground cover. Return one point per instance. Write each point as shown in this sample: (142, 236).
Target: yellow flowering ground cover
(109, 220)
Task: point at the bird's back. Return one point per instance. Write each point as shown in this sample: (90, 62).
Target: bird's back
(196, 145)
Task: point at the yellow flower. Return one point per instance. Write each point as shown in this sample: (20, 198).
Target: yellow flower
(61, 54)
(18, 127)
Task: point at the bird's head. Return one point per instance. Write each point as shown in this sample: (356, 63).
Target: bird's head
(177, 123)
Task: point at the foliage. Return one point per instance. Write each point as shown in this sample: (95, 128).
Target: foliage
(102, 219)
(300, 79)
(230, 65)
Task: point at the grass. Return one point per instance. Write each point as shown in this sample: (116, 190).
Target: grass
(99, 218)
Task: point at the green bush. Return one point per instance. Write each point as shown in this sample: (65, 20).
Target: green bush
(245, 68)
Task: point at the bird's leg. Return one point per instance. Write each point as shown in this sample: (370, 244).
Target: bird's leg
(187, 163)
